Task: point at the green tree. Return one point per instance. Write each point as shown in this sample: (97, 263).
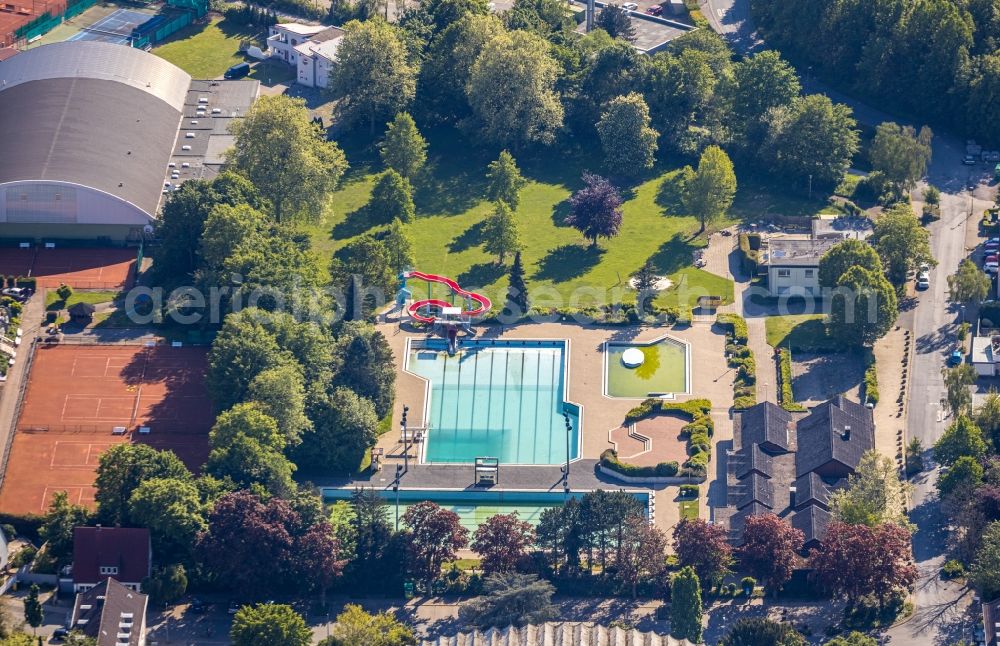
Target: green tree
(242, 349)
(844, 255)
(617, 22)
(226, 228)
(511, 90)
(685, 606)
(275, 272)
(57, 526)
(680, 88)
(628, 140)
(988, 417)
(354, 626)
(761, 82)
(398, 246)
(183, 217)
(962, 438)
(373, 78)
(956, 382)
(517, 289)
(644, 283)
(404, 149)
(173, 512)
(368, 369)
(853, 638)
(759, 631)
(875, 494)
(364, 262)
(500, 233)
(286, 156)
(344, 428)
(901, 153)
(249, 419)
(449, 61)
(392, 198)
(167, 584)
(248, 462)
(120, 471)
(510, 599)
(969, 285)
(711, 190)
(964, 476)
(985, 570)
(33, 613)
(504, 181)
(811, 141)
(280, 394)
(269, 623)
(863, 308)
(901, 242)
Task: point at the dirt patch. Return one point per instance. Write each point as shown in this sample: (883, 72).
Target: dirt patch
(818, 377)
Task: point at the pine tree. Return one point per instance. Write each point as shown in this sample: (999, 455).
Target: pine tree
(517, 290)
(404, 148)
(685, 606)
(33, 614)
(504, 181)
(392, 197)
(399, 246)
(644, 279)
(500, 231)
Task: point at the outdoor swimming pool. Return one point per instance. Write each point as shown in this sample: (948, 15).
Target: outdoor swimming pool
(474, 507)
(501, 399)
(664, 369)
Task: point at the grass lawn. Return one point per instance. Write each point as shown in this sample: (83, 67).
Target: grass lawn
(206, 51)
(54, 303)
(801, 332)
(754, 200)
(561, 267)
(689, 509)
(690, 283)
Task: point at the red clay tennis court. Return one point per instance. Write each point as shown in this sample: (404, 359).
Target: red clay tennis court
(91, 268)
(78, 400)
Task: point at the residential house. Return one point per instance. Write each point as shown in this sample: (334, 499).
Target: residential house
(791, 465)
(793, 264)
(985, 355)
(111, 614)
(100, 553)
(310, 49)
(990, 632)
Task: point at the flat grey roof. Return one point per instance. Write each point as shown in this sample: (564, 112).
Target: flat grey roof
(797, 252)
(103, 134)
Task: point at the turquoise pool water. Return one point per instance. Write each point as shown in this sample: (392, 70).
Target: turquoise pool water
(501, 399)
(664, 370)
(474, 507)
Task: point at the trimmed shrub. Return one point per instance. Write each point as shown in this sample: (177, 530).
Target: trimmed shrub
(64, 291)
(871, 381)
(736, 326)
(952, 569)
(689, 491)
(785, 377)
(609, 459)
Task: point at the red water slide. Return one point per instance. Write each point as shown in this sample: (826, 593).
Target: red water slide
(412, 310)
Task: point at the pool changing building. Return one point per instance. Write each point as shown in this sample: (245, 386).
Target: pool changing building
(94, 135)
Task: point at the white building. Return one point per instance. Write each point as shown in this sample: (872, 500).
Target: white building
(793, 265)
(986, 355)
(311, 49)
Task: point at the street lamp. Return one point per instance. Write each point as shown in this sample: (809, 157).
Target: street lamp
(406, 439)
(395, 489)
(569, 431)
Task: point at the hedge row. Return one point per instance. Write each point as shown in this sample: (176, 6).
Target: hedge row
(736, 327)
(693, 409)
(785, 377)
(749, 246)
(625, 314)
(698, 432)
(26, 526)
(871, 381)
(19, 281)
(609, 459)
(740, 358)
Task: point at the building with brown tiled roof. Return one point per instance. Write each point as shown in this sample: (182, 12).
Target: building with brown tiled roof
(100, 553)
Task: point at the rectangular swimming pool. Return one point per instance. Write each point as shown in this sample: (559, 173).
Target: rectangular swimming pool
(475, 507)
(501, 399)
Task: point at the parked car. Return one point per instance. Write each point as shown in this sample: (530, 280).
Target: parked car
(955, 358)
(655, 10)
(237, 71)
(969, 160)
(60, 634)
(923, 280)
(197, 606)
(991, 264)
(630, 6)
(19, 293)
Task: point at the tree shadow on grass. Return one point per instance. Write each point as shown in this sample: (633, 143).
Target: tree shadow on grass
(483, 273)
(568, 262)
(467, 239)
(560, 212)
(354, 223)
(670, 196)
(673, 255)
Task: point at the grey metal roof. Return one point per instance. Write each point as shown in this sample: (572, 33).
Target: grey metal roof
(766, 424)
(99, 61)
(103, 134)
(823, 435)
(812, 522)
(753, 459)
(557, 634)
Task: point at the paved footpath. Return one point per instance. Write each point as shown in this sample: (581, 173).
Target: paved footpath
(31, 318)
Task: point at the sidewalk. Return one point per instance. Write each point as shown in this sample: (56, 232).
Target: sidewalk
(31, 318)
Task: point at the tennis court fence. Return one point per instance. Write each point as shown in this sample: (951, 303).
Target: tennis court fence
(108, 428)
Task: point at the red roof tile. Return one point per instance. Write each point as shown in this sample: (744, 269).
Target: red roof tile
(125, 548)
